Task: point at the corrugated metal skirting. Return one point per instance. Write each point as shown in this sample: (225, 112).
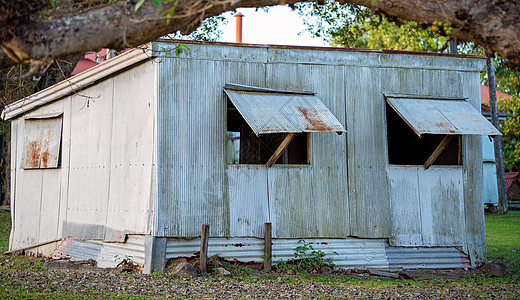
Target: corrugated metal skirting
(426, 258)
(346, 253)
(107, 255)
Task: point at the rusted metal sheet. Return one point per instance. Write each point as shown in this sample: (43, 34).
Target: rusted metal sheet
(276, 112)
(441, 116)
(42, 140)
(107, 255)
(426, 258)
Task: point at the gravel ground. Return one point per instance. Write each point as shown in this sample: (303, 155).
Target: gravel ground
(104, 283)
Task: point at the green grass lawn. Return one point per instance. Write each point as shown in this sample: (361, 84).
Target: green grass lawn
(503, 239)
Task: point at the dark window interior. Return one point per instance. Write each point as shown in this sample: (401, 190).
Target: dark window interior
(407, 148)
(254, 149)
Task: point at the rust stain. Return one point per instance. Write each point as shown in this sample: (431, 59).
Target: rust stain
(445, 125)
(45, 158)
(45, 155)
(313, 120)
(238, 245)
(33, 155)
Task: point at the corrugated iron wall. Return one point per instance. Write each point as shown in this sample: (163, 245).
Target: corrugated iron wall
(193, 183)
(195, 186)
(367, 155)
(325, 198)
(311, 201)
(428, 219)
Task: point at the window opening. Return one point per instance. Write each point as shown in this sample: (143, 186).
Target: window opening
(405, 147)
(245, 147)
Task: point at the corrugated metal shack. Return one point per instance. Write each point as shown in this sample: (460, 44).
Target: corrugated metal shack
(130, 157)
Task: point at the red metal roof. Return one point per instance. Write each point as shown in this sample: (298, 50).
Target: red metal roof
(484, 94)
(512, 186)
(84, 64)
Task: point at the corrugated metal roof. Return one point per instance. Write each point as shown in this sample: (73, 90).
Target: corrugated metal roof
(441, 116)
(272, 111)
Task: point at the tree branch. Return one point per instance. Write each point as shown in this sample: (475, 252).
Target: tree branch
(493, 24)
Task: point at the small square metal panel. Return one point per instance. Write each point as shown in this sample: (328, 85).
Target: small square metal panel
(42, 140)
(272, 111)
(441, 116)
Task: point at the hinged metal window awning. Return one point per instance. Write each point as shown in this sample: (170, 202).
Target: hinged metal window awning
(275, 111)
(441, 116)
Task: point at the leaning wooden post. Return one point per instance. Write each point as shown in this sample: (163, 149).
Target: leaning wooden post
(499, 159)
(204, 236)
(268, 247)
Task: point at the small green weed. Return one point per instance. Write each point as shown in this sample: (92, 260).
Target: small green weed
(305, 259)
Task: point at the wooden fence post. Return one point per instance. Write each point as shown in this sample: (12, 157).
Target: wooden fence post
(204, 236)
(268, 248)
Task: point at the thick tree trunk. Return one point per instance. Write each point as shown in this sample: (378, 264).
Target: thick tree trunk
(36, 40)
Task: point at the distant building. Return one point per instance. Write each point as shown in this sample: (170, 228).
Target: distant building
(488, 150)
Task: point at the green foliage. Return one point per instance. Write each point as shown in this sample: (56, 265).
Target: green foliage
(359, 27)
(305, 259)
(511, 133)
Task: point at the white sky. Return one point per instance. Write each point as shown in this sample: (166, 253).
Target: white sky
(279, 26)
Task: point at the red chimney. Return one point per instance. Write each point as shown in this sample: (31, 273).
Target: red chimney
(239, 17)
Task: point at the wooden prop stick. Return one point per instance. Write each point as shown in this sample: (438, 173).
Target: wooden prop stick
(437, 151)
(280, 149)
